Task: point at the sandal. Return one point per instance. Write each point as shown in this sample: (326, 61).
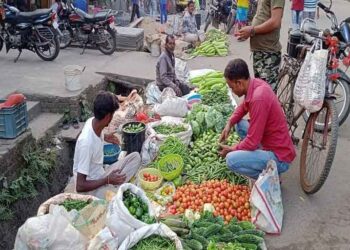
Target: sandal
(75, 123)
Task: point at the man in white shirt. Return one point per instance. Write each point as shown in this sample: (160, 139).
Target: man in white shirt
(91, 178)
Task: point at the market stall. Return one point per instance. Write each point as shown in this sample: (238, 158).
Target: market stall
(183, 197)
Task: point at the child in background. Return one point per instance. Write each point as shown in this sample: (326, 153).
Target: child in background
(242, 14)
(297, 13)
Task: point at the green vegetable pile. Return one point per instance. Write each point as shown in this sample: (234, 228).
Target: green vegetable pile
(211, 233)
(212, 87)
(70, 204)
(168, 167)
(173, 145)
(203, 118)
(137, 207)
(168, 129)
(215, 44)
(155, 242)
(204, 162)
(134, 127)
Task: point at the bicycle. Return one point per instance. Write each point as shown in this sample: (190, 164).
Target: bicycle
(319, 142)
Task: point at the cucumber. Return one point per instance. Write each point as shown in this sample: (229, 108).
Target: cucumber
(202, 224)
(212, 230)
(246, 225)
(174, 223)
(252, 231)
(201, 239)
(234, 228)
(228, 237)
(249, 246)
(180, 231)
(194, 244)
(249, 238)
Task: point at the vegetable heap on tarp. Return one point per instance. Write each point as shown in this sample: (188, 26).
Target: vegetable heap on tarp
(215, 44)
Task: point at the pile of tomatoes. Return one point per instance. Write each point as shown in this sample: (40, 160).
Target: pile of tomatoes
(150, 177)
(228, 200)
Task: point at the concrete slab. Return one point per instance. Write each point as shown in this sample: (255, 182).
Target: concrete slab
(34, 109)
(44, 123)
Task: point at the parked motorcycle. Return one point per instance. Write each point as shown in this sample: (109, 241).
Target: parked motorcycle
(341, 85)
(96, 30)
(221, 11)
(34, 31)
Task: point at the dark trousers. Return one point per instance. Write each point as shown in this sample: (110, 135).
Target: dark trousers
(135, 10)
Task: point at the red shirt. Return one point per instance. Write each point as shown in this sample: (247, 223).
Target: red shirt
(298, 5)
(268, 125)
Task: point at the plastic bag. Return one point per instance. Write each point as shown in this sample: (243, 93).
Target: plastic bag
(149, 150)
(119, 220)
(49, 231)
(126, 112)
(153, 94)
(104, 240)
(185, 136)
(310, 86)
(181, 70)
(174, 106)
(146, 231)
(60, 198)
(266, 201)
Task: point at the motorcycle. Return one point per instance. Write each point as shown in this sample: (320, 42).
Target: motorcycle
(299, 38)
(96, 30)
(34, 31)
(221, 11)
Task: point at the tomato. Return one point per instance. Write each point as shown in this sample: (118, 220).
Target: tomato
(246, 205)
(222, 198)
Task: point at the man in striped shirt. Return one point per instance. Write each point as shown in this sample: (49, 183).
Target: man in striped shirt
(310, 9)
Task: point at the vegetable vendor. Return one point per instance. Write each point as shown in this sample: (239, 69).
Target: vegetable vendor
(265, 137)
(89, 174)
(189, 25)
(165, 70)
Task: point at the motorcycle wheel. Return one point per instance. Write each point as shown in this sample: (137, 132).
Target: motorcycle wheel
(230, 22)
(110, 45)
(207, 22)
(53, 49)
(66, 38)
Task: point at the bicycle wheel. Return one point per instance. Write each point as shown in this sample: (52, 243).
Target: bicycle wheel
(318, 148)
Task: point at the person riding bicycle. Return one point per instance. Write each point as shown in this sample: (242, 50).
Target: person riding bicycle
(265, 137)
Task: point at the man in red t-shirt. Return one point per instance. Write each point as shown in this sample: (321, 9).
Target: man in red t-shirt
(266, 136)
(297, 13)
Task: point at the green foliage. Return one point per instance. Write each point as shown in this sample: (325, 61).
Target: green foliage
(38, 164)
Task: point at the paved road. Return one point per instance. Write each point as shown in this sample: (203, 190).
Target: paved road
(321, 221)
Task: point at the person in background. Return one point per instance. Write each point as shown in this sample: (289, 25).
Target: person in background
(311, 10)
(264, 34)
(135, 10)
(163, 11)
(89, 174)
(189, 24)
(297, 13)
(165, 70)
(266, 136)
(242, 15)
(153, 8)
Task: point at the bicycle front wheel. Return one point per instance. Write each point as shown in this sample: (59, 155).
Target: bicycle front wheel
(318, 148)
